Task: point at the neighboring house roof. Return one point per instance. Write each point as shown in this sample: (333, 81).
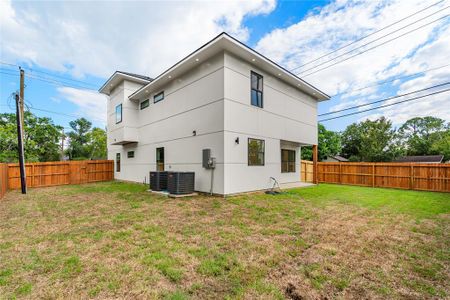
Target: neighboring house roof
(118, 76)
(338, 158)
(421, 159)
(225, 42)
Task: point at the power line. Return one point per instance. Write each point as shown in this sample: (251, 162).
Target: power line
(373, 41)
(59, 83)
(391, 80)
(364, 37)
(357, 54)
(51, 75)
(386, 105)
(386, 99)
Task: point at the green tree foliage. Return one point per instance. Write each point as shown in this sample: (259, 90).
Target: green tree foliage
(442, 145)
(420, 134)
(84, 142)
(78, 139)
(41, 138)
(97, 143)
(329, 144)
(372, 141)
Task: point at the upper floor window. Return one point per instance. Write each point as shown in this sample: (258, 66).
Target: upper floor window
(119, 113)
(255, 152)
(158, 97)
(130, 154)
(145, 103)
(287, 161)
(256, 89)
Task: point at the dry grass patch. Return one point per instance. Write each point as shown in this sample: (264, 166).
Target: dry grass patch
(115, 240)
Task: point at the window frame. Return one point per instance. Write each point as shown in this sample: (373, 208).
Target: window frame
(288, 169)
(130, 154)
(121, 113)
(263, 152)
(156, 95)
(261, 90)
(118, 162)
(144, 106)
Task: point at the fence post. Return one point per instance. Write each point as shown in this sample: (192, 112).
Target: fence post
(411, 177)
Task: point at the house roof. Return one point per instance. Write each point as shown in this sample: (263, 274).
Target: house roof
(338, 158)
(225, 42)
(421, 159)
(118, 76)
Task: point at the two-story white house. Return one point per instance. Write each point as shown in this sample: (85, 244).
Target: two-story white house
(253, 114)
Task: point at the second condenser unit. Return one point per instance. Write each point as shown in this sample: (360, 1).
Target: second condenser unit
(180, 183)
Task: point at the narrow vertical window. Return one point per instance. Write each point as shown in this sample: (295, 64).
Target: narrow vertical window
(117, 162)
(256, 152)
(287, 161)
(119, 113)
(160, 159)
(256, 92)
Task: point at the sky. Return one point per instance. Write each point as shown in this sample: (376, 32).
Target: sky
(355, 51)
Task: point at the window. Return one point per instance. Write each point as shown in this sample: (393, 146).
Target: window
(287, 161)
(130, 154)
(160, 159)
(255, 152)
(145, 103)
(117, 162)
(256, 82)
(158, 97)
(119, 113)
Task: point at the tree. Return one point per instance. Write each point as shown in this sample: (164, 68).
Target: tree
(419, 134)
(372, 141)
(329, 144)
(97, 143)
(79, 139)
(442, 145)
(41, 138)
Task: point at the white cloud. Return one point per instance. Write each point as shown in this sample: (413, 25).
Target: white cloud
(92, 105)
(100, 37)
(344, 21)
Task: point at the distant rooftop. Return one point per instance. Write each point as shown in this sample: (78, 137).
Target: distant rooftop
(421, 159)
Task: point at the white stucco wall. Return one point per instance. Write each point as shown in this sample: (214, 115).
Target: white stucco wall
(193, 102)
(287, 120)
(214, 100)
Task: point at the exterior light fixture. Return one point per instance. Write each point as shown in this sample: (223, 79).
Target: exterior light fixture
(236, 141)
(194, 133)
(253, 59)
(279, 74)
(169, 77)
(197, 59)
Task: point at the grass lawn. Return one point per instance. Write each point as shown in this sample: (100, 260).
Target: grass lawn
(116, 240)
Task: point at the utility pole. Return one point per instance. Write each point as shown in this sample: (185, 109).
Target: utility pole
(23, 178)
(22, 99)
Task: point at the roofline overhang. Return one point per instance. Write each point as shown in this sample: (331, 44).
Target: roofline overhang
(106, 85)
(317, 94)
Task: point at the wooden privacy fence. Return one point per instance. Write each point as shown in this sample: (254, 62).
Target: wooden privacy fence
(306, 171)
(3, 179)
(61, 173)
(424, 177)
